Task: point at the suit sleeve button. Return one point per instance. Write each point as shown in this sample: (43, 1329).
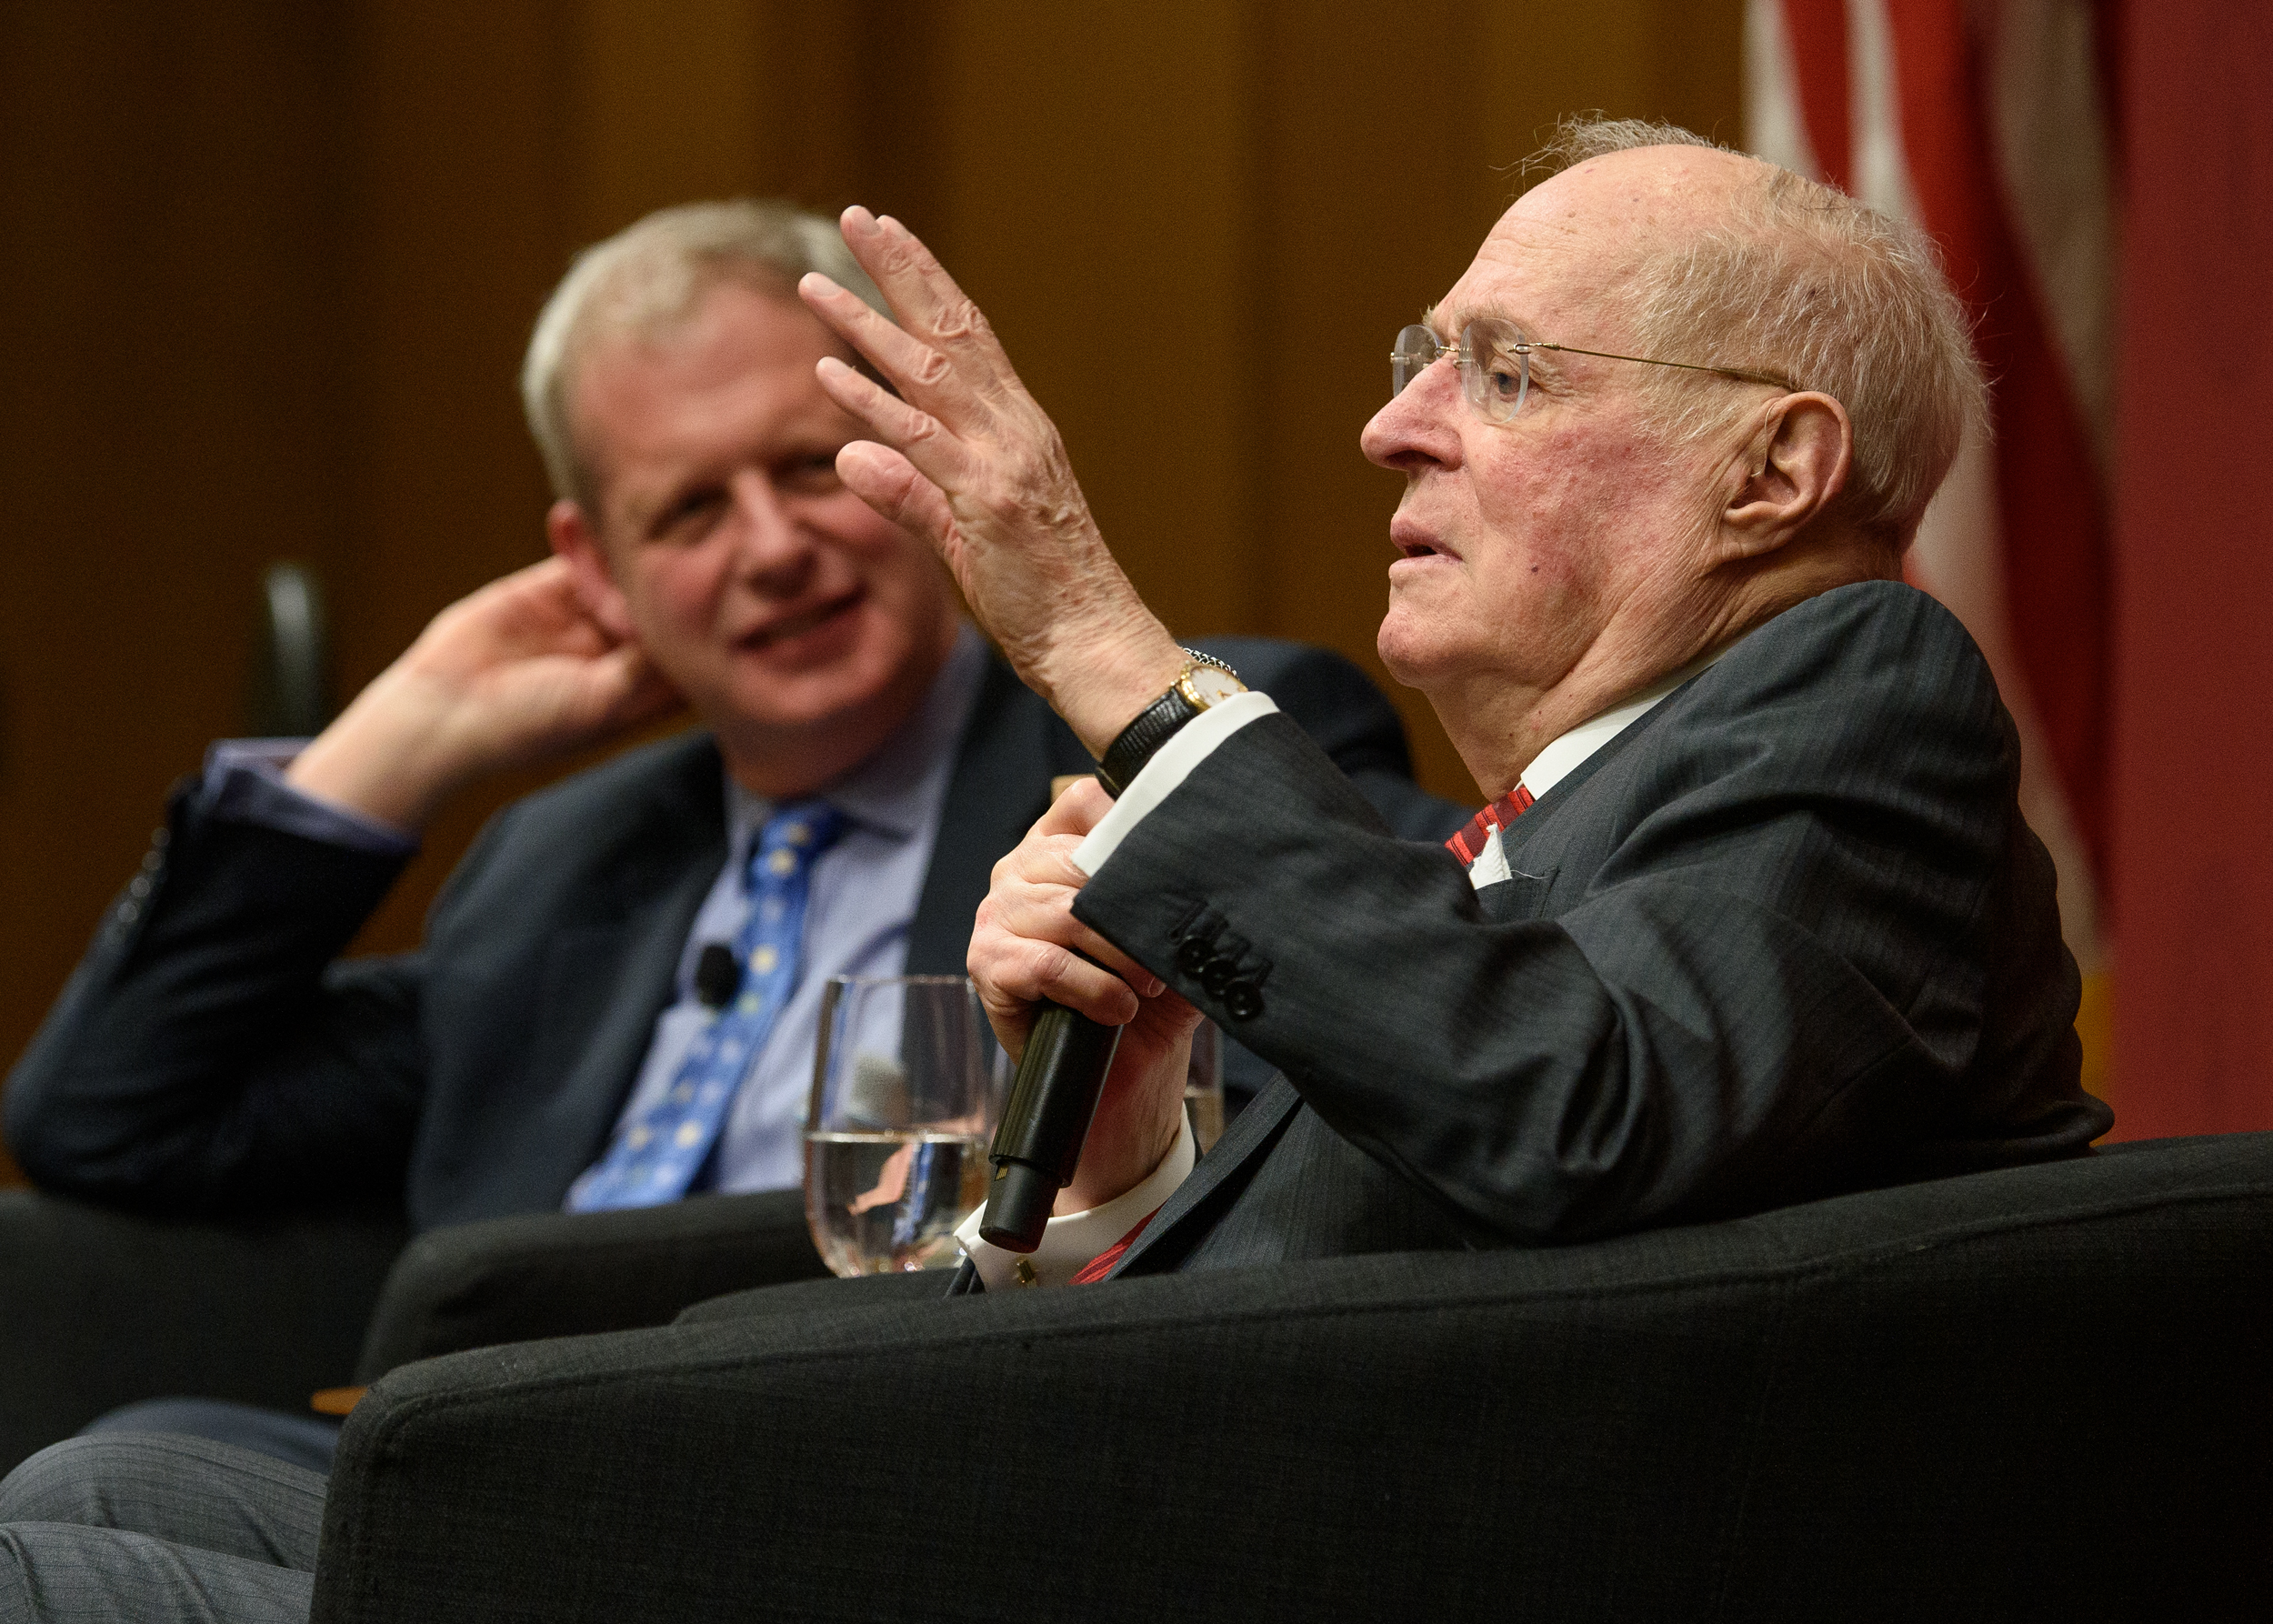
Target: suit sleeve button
(1193, 956)
(1242, 1001)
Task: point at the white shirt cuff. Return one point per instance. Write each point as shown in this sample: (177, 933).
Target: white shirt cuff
(1170, 765)
(1070, 1243)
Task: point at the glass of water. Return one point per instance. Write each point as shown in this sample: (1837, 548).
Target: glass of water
(1203, 1087)
(908, 1082)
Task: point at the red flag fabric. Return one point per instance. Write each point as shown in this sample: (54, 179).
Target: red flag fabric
(1987, 124)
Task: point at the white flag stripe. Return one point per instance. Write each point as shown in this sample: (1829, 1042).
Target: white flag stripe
(1959, 554)
(2052, 149)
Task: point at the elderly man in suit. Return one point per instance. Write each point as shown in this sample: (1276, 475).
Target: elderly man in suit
(1751, 915)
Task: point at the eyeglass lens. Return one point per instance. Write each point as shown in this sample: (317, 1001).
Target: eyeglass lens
(1494, 367)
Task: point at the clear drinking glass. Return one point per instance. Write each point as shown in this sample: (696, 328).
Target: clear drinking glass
(907, 1083)
(1202, 1085)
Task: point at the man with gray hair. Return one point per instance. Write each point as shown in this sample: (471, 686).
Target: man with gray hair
(618, 997)
(1751, 915)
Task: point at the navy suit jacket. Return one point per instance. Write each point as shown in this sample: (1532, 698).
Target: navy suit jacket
(211, 1052)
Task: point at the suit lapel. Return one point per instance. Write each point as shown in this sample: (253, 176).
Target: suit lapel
(607, 980)
(1010, 748)
(1188, 1212)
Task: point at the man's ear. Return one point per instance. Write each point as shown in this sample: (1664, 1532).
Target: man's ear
(571, 533)
(1795, 463)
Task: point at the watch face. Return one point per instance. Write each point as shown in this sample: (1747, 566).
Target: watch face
(1210, 684)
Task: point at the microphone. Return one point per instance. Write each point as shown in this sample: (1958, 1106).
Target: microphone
(1044, 1122)
(717, 975)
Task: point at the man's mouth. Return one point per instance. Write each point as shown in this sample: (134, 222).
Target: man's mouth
(1413, 542)
(797, 624)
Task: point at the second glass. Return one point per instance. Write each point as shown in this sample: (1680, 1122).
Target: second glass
(907, 1083)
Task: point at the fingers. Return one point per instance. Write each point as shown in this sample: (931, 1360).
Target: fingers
(1027, 938)
(912, 364)
(886, 481)
(916, 284)
(1081, 808)
(637, 691)
(915, 433)
(1027, 945)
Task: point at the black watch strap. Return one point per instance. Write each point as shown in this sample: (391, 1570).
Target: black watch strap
(1155, 725)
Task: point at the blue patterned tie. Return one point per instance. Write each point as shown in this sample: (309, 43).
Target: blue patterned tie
(656, 1155)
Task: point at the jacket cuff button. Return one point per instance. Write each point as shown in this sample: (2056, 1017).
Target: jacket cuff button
(1193, 956)
(1241, 1001)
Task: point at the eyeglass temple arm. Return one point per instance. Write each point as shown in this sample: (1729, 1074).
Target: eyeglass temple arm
(1604, 355)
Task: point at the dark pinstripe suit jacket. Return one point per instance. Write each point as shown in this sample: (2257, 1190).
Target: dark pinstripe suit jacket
(1787, 935)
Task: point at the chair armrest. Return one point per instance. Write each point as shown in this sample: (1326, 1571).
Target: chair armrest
(514, 1279)
(1226, 1444)
(100, 1308)
(1954, 1398)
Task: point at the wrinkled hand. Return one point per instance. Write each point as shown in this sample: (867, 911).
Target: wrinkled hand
(1028, 945)
(968, 461)
(514, 673)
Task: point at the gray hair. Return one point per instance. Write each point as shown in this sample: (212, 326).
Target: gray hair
(650, 277)
(1805, 281)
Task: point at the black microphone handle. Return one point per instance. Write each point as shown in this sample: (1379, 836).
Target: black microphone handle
(1044, 1122)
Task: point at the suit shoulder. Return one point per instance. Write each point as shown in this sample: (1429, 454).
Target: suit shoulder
(1875, 649)
(1872, 690)
(681, 770)
(1874, 625)
(649, 805)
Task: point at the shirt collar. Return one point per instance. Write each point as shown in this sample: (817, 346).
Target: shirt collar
(1565, 754)
(895, 790)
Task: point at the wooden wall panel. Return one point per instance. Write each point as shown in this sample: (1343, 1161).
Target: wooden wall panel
(276, 264)
(463, 186)
(169, 402)
(1095, 204)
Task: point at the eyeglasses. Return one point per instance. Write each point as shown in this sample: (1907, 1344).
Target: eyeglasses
(1495, 361)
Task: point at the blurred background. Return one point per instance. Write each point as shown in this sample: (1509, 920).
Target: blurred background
(271, 267)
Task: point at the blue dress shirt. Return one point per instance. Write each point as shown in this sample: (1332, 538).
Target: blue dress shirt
(863, 899)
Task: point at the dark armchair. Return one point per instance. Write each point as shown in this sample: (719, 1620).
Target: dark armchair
(2034, 1393)
(99, 1308)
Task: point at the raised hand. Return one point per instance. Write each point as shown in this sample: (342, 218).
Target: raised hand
(1026, 945)
(514, 673)
(966, 459)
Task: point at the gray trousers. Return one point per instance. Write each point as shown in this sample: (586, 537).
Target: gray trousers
(144, 1526)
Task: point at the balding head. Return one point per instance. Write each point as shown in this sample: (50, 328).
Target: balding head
(1742, 389)
(1735, 262)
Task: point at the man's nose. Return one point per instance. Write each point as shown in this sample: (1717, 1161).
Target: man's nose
(1417, 427)
(771, 548)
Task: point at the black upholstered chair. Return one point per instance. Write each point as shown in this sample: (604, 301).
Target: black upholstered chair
(99, 1308)
(2034, 1393)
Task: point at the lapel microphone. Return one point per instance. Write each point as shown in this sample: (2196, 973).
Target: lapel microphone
(1038, 1146)
(717, 975)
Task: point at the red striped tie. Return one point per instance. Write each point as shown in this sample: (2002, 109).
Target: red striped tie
(1100, 1266)
(1470, 843)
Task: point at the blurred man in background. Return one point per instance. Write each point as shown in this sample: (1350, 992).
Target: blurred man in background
(617, 997)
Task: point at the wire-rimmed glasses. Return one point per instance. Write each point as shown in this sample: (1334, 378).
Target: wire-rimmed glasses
(1495, 361)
